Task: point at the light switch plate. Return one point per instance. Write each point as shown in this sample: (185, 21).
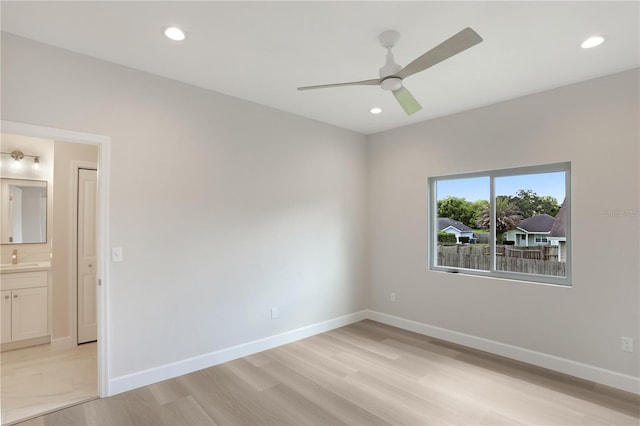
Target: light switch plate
(116, 254)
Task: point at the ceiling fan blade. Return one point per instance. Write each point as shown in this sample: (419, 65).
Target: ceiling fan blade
(462, 41)
(373, 82)
(407, 101)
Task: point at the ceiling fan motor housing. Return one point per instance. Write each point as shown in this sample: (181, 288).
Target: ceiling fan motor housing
(388, 73)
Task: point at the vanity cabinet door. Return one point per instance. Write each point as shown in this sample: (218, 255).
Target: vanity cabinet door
(5, 336)
(28, 313)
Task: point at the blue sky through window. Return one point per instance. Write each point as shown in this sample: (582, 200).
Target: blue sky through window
(473, 189)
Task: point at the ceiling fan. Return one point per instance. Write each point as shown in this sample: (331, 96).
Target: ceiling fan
(392, 74)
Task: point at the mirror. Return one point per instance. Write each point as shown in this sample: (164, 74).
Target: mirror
(24, 211)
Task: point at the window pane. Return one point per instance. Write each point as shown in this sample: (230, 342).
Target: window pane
(530, 224)
(461, 203)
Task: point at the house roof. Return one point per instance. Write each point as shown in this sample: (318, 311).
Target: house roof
(559, 225)
(445, 222)
(539, 223)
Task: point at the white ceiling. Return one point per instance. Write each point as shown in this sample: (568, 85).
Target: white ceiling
(261, 51)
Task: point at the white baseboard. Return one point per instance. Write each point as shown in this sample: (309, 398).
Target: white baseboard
(168, 371)
(562, 365)
(62, 343)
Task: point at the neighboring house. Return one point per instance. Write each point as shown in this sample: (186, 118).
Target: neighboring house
(454, 227)
(532, 231)
(558, 236)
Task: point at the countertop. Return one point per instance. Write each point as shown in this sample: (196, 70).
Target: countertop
(7, 268)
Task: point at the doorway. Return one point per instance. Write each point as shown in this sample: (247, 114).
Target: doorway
(101, 229)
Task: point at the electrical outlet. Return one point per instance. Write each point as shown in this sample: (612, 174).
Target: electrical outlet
(392, 297)
(626, 344)
(274, 313)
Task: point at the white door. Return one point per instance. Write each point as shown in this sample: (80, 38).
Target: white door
(87, 283)
(28, 313)
(5, 336)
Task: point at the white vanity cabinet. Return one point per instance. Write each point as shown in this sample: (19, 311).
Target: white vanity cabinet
(24, 306)
(5, 311)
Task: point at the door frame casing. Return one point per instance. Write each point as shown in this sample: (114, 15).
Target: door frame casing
(102, 228)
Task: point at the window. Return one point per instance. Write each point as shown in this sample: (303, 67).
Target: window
(517, 222)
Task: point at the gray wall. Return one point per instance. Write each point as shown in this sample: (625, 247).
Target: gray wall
(223, 208)
(592, 124)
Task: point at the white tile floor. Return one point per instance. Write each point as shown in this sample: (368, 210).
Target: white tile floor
(37, 380)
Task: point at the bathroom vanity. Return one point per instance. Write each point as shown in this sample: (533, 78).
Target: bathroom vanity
(24, 289)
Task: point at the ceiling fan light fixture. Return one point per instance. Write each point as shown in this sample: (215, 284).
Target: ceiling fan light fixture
(594, 41)
(391, 83)
(174, 33)
(375, 110)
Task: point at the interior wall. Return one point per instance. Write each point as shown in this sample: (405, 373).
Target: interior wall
(594, 125)
(223, 208)
(62, 270)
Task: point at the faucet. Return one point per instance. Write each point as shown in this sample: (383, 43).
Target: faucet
(14, 257)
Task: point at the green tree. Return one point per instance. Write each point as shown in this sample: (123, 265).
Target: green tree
(507, 216)
(457, 209)
(477, 207)
(531, 204)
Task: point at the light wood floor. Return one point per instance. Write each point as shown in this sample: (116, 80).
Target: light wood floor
(37, 380)
(363, 374)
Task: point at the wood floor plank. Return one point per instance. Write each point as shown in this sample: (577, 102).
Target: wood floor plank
(365, 398)
(363, 374)
(187, 412)
(73, 416)
(252, 375)
(168, 391)
(347, 412)
(221, 399)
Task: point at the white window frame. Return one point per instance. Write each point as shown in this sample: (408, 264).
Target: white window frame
(432, 236)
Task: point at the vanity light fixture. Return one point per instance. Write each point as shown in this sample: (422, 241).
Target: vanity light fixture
(174, 33)
(18, 156)
(594, 41)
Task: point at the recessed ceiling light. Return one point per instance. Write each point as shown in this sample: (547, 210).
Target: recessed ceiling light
(375, 110)
(174, 33)
(593, 41)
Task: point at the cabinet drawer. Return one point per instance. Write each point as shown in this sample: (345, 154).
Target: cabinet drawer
(18, 280)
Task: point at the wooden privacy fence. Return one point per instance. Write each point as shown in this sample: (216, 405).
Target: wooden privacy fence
(540, 260)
